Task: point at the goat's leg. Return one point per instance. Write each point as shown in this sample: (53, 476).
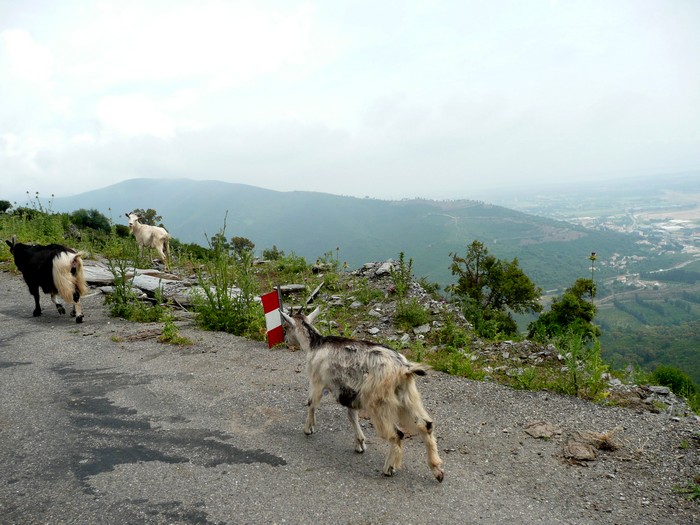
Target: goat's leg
(415, 419)
(393, 459)
(59, 306)
(77, 311)
(434, 461)
(163, 258)
(388, 431)
(360, 446)
(316, 391)
(37, 307)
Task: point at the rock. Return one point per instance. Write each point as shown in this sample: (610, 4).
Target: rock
(578, 451)
(422, 329)
(542, 430)
(385, 268)
(292, 288)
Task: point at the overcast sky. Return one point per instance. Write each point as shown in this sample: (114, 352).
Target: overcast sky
(388, 99)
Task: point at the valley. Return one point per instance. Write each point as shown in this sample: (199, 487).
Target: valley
(648, 305)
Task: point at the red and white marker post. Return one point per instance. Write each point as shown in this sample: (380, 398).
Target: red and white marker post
(273, 319)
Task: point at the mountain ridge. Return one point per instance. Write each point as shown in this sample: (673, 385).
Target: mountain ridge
(357, 230)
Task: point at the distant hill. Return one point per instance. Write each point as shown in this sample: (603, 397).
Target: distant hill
(552, 253)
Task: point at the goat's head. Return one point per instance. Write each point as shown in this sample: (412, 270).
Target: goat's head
(295, 330)
(11, 243)
(133, 219)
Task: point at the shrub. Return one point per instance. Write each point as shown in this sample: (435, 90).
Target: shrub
(124, 301)
(228, 301)
(678, 381)
(410, 314)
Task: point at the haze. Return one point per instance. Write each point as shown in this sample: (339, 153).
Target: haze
(383, 99)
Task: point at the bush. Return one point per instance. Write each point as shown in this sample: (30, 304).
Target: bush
(125, 303)
(228, 302)
(410, 314)
(678, 381)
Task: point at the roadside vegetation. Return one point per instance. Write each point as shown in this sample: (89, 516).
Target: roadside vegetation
(482, 301)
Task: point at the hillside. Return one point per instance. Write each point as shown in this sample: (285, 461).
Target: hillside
(553, 253)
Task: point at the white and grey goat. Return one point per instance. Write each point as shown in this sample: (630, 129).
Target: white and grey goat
(365, 375)
(148, 236)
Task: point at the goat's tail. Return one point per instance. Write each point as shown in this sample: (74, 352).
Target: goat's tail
(68, 276)
(418, 369)
(166, 245)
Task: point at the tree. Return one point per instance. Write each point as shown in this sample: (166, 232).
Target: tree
(490, 289)
(219, 244)
(272, 254)
(149, 216)
(92, 219)
(241, 246)
(572, 312)
(4, 206)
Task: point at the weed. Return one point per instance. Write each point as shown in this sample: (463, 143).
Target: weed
(228, 299)
(691, 490)
(171, 334)
(451, 335)
(402, 277)
(410, 314)
(528, 379)
(124, 301)
(365, 293)
(455, 363)
(584, 365)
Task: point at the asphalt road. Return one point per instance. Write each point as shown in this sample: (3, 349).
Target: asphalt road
(102, 424)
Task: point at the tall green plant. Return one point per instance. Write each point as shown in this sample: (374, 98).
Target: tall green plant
(124, 301)
(584, 365)
(229, 288)
(402, 276)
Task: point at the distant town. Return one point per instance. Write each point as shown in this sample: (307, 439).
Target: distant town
(663, 212)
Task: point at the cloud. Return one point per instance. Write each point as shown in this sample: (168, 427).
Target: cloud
(24, 59)
(134, 115)
(388, 99)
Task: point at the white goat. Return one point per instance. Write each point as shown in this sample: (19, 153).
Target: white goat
(148, 236)
(365, 375)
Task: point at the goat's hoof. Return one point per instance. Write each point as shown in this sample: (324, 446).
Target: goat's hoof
(439, 475)
(79, 319)
(360, 447)
(309, 431)
(61, 310)
(389, 472)
(36, 313)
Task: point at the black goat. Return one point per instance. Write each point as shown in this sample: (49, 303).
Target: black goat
(56, 269)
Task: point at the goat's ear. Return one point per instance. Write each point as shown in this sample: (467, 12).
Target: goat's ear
(127, 215)
(313, 315)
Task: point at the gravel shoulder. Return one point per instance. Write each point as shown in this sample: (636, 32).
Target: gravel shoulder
(101, 423)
